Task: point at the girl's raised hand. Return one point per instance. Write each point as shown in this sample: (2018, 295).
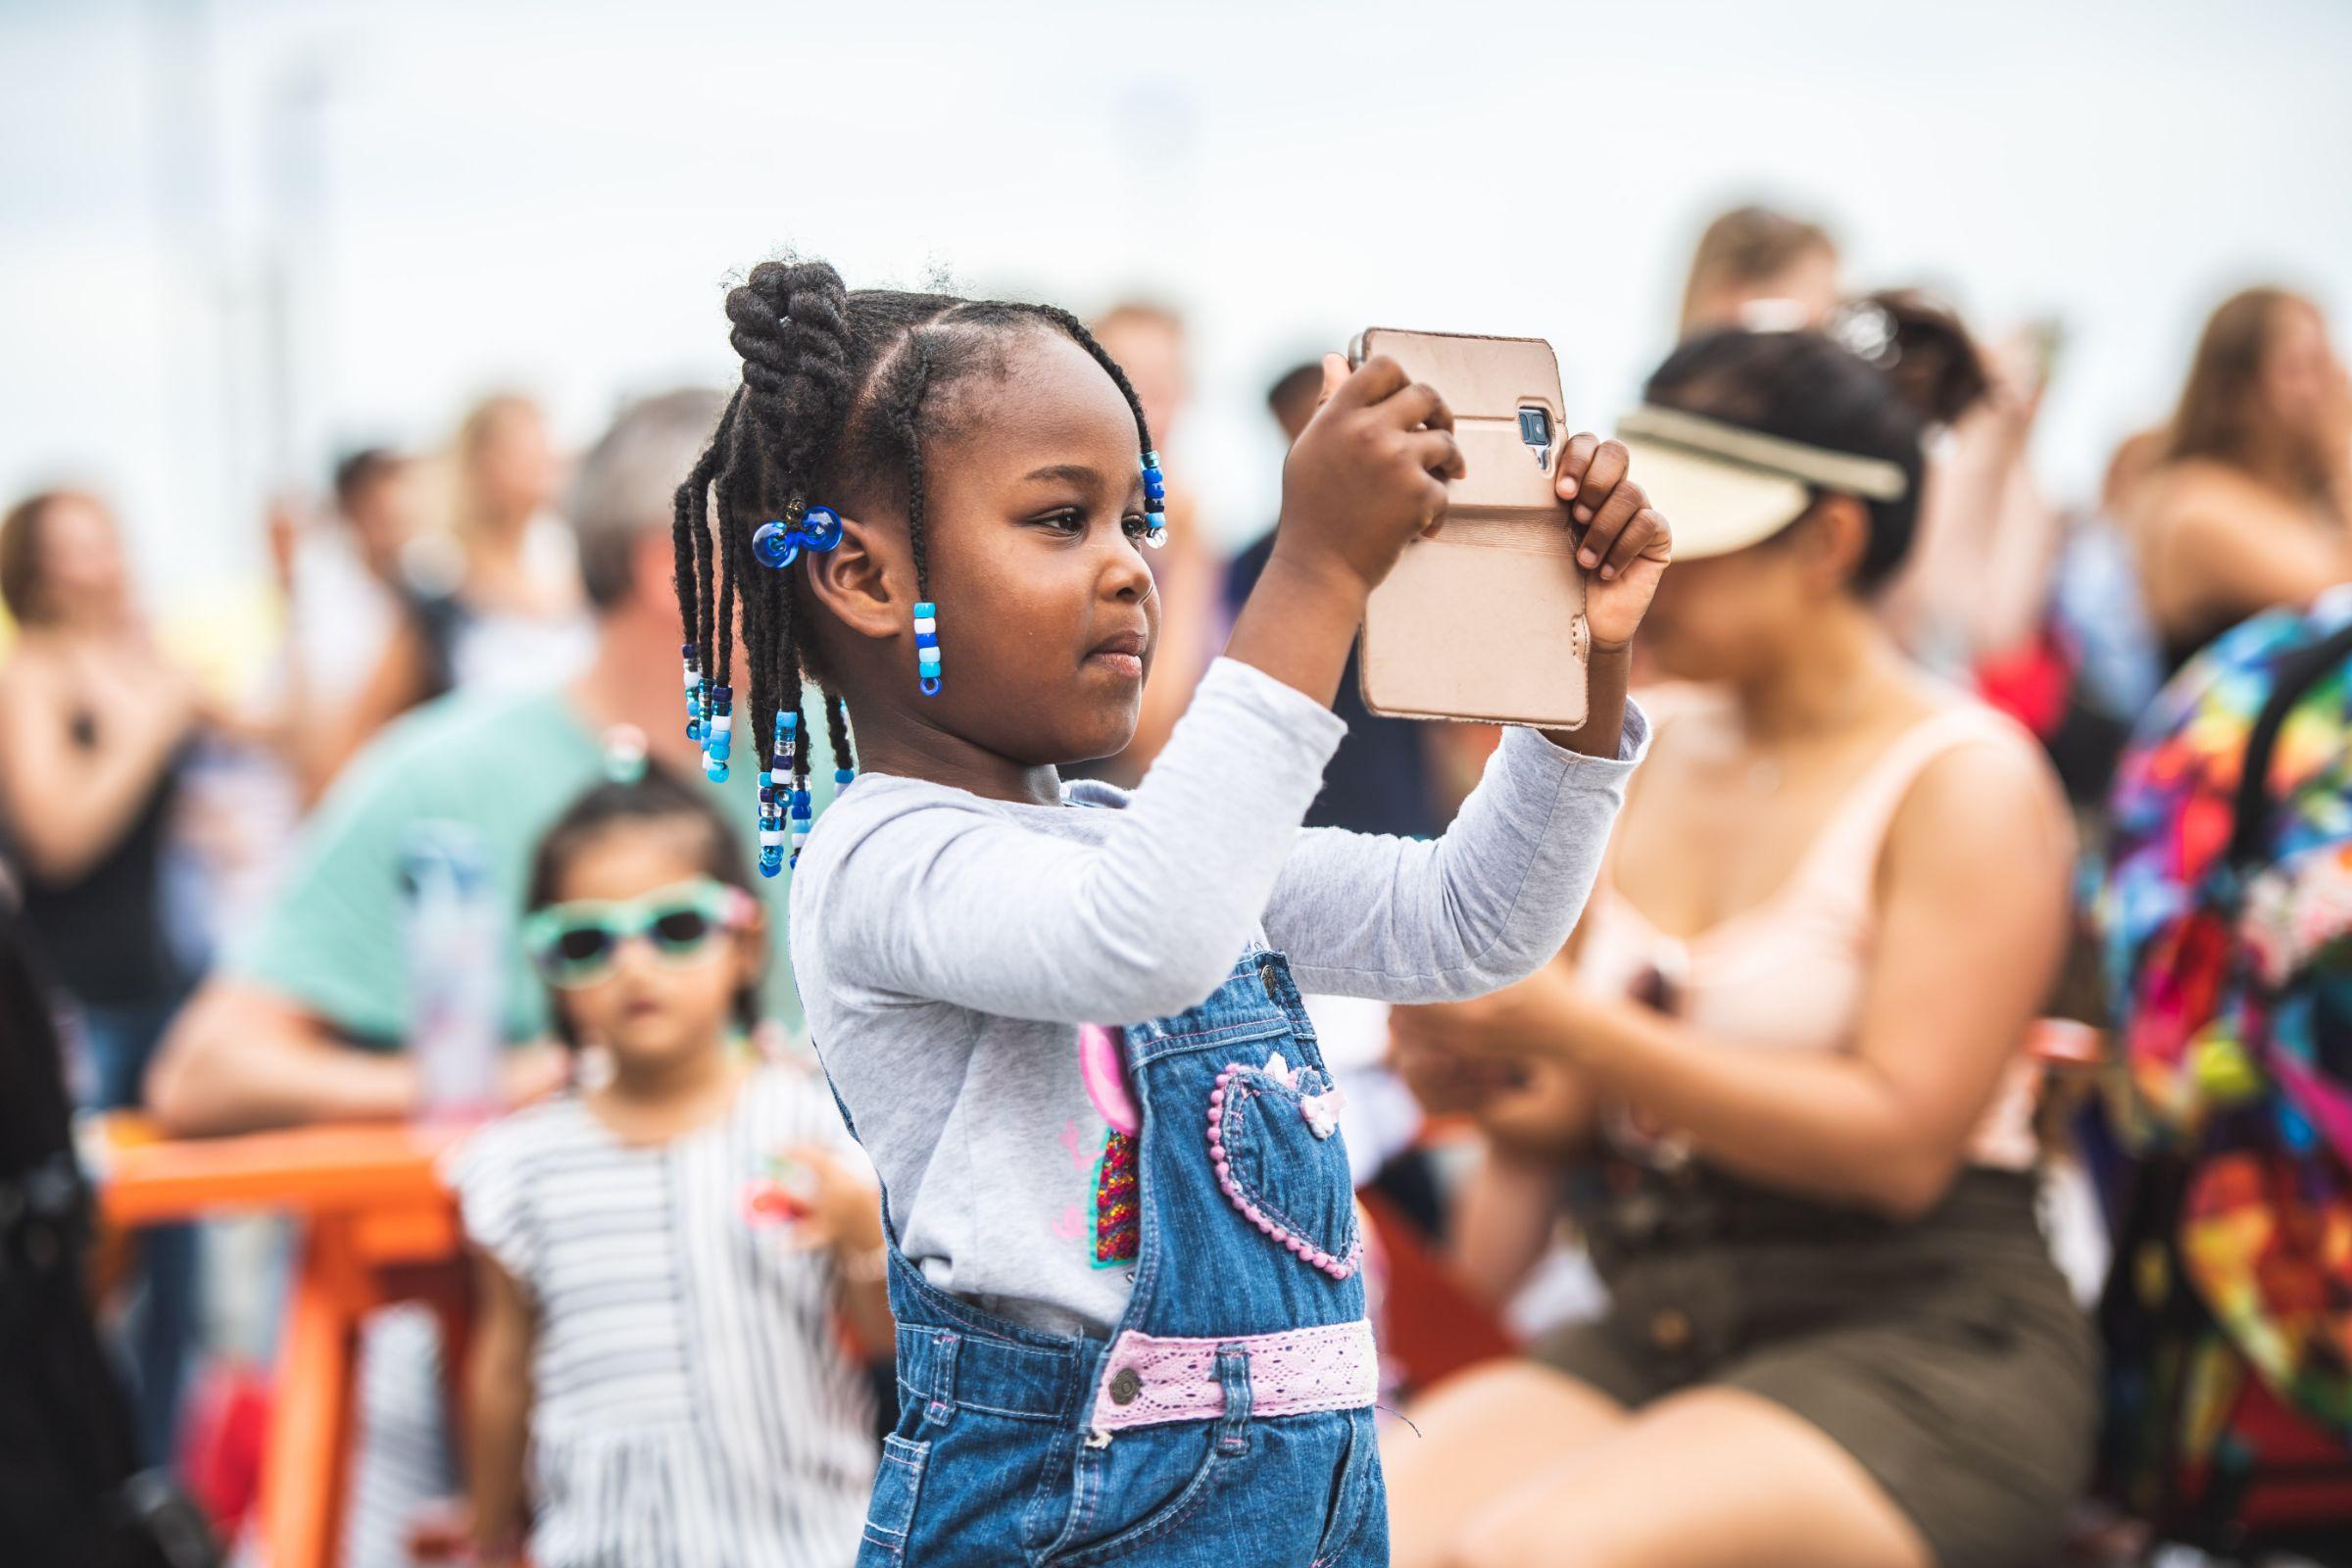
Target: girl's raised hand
(1367, 474)
(1622, 542)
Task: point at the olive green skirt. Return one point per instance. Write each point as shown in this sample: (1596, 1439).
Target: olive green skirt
(1944, 1353)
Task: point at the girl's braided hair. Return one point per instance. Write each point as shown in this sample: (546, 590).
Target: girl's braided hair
(832, 403)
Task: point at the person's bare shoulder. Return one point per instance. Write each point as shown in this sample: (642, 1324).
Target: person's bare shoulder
(1991, 805)
(2199, 495)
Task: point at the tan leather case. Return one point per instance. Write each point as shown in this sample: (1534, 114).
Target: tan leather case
(1483, 617)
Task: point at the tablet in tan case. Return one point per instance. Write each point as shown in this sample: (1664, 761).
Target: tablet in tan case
(1483, 617)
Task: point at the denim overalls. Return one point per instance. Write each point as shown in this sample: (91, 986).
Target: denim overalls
(1227, 1423)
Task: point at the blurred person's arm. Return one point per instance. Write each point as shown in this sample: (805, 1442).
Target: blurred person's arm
(2234, 551)
(325, 736)
(2021, 563)
(240, 1060)
(847, 1221)
(1978, 578)
(498, 1413)
(69, 804)
(1971, 924)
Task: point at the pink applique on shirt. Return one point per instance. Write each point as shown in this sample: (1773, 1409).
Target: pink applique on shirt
(1117, 1186)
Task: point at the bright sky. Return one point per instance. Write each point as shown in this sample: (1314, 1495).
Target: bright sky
(461, 196)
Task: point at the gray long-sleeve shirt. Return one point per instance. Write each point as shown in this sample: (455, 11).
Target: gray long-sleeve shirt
(947, 947)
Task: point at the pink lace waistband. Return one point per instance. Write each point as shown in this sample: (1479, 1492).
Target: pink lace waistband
(1148, 1380)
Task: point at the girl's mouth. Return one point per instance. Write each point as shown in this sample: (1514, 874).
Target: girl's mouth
(1123, 653)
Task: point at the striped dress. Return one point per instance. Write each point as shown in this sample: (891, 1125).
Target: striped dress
(692, 1401)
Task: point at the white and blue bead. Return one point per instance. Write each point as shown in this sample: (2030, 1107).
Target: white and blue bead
(775, 787)
(926, 646)
(718, 734)
(1155, 503)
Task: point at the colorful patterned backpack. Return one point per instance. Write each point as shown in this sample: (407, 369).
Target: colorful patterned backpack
(2226, 920)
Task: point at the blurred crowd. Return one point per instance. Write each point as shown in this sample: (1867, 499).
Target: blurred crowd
(219, 896)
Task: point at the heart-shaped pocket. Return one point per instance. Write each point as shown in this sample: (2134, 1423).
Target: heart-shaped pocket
(1270, 1143)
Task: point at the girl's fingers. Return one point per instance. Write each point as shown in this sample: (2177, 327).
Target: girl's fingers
(1437, 452)
(1600, 476)
(1377, 378)
(1602, 532)
(1575, 458)
(1418, 404)
(1638, 538)
(1335, 372)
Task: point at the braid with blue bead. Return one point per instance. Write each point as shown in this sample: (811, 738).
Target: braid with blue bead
(829, 415)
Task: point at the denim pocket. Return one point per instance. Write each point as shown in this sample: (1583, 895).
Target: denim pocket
(1168, 1516)
(891, 1513)
(1356, 1489)
(1281, 1162)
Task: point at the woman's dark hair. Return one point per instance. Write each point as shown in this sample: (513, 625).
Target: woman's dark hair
(656, 796)
(841, 389)
(1891, 369)
(361, 469)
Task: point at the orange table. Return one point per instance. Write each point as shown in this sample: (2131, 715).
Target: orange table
(376, 1227)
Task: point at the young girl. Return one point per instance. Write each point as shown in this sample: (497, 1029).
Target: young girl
(1124, 1260)
(661, 1256)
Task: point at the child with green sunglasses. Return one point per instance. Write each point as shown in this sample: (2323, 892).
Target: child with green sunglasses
(664, 1250)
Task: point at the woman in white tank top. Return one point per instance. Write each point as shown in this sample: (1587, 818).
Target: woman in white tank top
(1781, 1085)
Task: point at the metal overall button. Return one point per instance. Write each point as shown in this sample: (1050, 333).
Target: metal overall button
(1125, 1385)
(1265, 977)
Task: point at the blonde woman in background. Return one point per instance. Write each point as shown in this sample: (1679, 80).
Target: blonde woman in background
(499, 603)
(2249, 503)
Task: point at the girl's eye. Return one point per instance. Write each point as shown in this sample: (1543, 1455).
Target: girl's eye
(1136, 524)
(1069, 522)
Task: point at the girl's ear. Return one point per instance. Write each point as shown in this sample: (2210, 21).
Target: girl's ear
(851, 580)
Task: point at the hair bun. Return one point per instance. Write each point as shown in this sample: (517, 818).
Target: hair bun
(791, 325)
(1921, 345)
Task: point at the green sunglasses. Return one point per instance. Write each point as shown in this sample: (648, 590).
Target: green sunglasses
(578, 944)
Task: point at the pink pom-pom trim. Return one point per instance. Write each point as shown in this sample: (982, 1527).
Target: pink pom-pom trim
(1297, 1245)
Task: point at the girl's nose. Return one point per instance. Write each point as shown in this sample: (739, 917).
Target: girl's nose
(1127, 575)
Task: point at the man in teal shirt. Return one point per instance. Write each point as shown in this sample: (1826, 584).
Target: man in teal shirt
(304, 1019)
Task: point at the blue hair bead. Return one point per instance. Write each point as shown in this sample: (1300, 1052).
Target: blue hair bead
(714, 768)
(844, 777)
(777, 544)
(773, 545)
(926, 611)
(930, 686)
